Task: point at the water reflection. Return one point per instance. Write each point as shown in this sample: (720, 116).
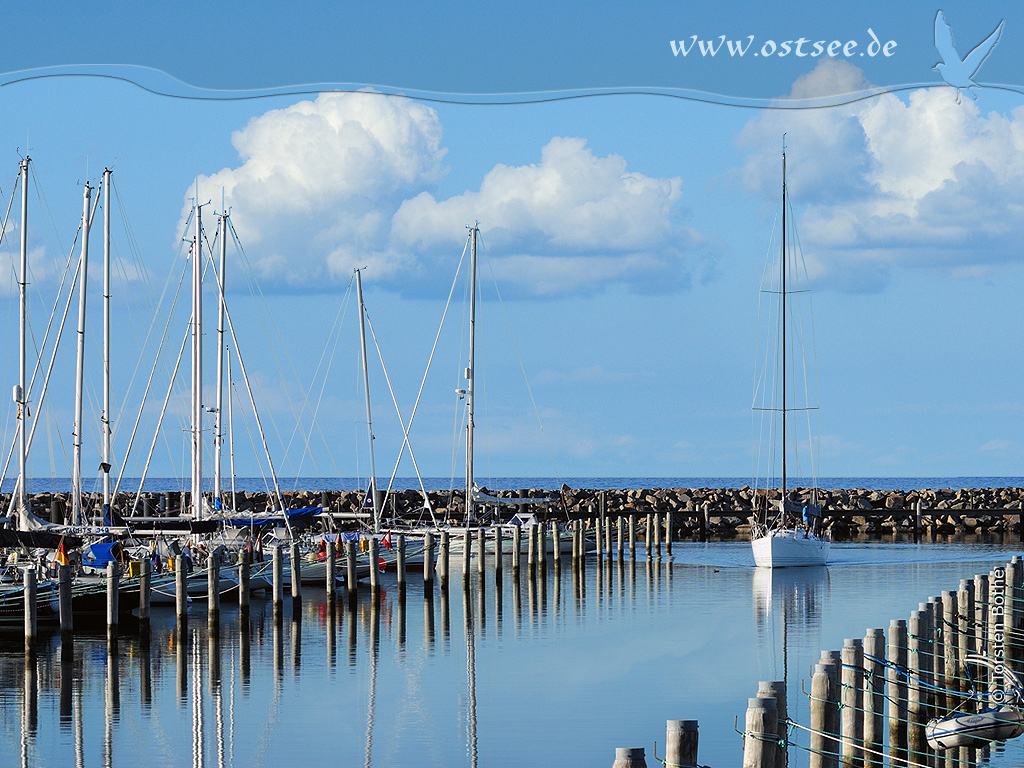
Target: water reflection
(788, 608)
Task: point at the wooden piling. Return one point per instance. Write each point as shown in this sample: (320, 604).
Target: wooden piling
(852, 722)
(531, 548)
(776, 689)
(599, 538)
(981, 600)
(1012, 615)
(681, 738)
(824, 695)
(705, 521)
(296, 572)
(951, 637)
(145, 593)
(331, 566)
(67, 621)
(917, 630)
(352, 574)
(874, 696)
(619, 539)
(669, 532)
(575, 526)
(212, 591)
(648, 541)
(657, 535)
(517, 548)
(760, 732)
(400, 562)
(608, 539)
(481, 549)
(467, 555)
(632, 537)
(926, 651)
(278, 581)
(180, 592)
(374, 568)
(443, 561)
(243, 582)
(896, 686)
(29, 596)
(499, 554)
(629, 757)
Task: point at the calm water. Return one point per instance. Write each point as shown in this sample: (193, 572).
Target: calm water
(555, 673)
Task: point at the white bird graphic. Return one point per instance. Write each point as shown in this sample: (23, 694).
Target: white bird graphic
(958, 72)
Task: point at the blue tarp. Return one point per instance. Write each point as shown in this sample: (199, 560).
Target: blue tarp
(273, 518)
(98, 555)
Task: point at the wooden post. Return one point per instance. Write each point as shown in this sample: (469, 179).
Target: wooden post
(352, 574)
(629, 757)
(542, 549)
(331, 577)
(400, 562)
(852, 716)
(243, 582)
(145, 592)
(619, 536)
(467, 555)
(599, 537)
(67, 621)
(575, 543)
(951, 637)
(760, 733)
(648, 541)
(776, 689)
(180, 592)
(296, 565)
(481, 548)
(517, 546)
(917, 519)
(681, 739)
(428, 561)
(29, 597)
(212, 592)
(632, 537)
(499, 555)
(608, 539)
(113, 589)
(896, 686)
(981, 600)
(926, 665)
(657, 535)
(823, 693)
(874, 696)
(831, 662)
(531, 544)
(917, 630)
(705, 522)
(1014, 622)
(278, 576)
(374, 568)
(669, 533)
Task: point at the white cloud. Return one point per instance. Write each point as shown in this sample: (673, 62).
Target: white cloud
(319, 182)
(348, 180)
(886, 182)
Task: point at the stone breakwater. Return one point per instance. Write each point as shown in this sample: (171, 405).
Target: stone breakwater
(696, 512)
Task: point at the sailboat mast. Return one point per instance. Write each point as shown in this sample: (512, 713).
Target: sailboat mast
(782, 262)
(83, 274)
(471, 376)
(21, 394)
(218, 422)
(197, 366)
(105, 416)
(366, 389)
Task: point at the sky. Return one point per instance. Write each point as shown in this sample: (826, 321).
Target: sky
(626, 195)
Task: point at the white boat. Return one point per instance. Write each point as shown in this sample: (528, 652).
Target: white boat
(975, 730)
(787, 530)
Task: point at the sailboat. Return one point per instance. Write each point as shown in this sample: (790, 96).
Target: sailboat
(787, 530)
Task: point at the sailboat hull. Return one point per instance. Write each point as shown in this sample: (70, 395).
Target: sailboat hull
(789, 547)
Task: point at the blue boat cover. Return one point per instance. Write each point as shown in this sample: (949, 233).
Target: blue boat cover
(293, 514)
(98, 555)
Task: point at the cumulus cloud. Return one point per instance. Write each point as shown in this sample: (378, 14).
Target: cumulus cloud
(920, 181)
(349, 179)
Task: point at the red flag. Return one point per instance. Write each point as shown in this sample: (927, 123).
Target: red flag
(62, 555)
(387, 540)
(382, 565)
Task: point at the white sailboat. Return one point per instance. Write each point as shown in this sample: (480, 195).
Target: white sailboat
(787, 530)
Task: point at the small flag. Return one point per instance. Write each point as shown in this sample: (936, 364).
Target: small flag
(387, 540)
(62, 555)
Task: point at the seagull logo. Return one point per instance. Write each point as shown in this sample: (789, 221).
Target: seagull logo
(958, 72)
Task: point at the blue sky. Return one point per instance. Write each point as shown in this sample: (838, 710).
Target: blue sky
(625, 233)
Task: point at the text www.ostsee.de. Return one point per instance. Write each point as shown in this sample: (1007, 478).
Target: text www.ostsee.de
(799, 47)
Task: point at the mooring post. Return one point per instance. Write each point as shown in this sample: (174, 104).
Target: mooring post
(113, 589)
(29, 596)
(442, 561)
(917, 629)
(620, 534)
(296, 573)
(760, 732)
(278, 581)
(180, 592)
(517, 547)
(531, 548)
(599, 538)
(608, 539)
(213, 591)
(681, 739)
(481, 548)
(67, 621)
(705, 522)
(542, 549)
(874, 696)
(352, 574)
(896, 686)
(629, 757)
(1015, 594)
(648, 541)
(965, 617)
(400, 562)
(917, 519)
(776, 689)
(951, 637)
(632, 537)
(145, 593)
(925, 661)
(981, 617)
(374, 568)
(499, 554)
(852, 714)
(669, 533)
(556, 543)
(467, 555)
(243, 582)
(822, 748)
(331, 570)
(657, 535)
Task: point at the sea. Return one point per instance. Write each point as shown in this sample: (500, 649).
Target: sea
(553, 671)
